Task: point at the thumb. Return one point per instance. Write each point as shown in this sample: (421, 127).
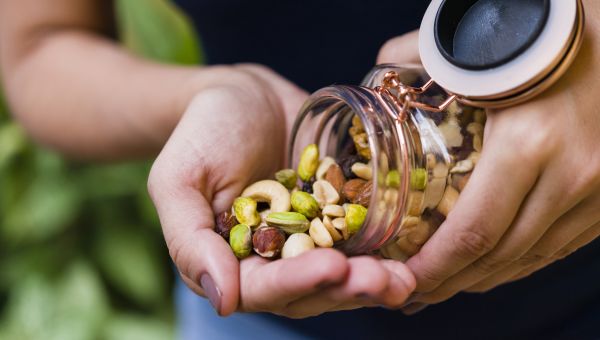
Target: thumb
(403, 49)
(203, 258)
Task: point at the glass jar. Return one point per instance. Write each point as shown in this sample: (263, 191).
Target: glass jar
(420, 160)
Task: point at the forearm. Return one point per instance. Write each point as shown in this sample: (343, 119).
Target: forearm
(80, 93)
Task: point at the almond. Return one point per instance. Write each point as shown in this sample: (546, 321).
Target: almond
(364, 196)
(352, 188)
(335, 176)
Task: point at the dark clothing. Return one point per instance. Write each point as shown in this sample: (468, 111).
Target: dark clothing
(316, 43)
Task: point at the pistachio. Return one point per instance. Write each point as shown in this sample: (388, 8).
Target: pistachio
(245, 211)
(287, 178)
(290, 222)
(418, 179)
(333, 210)
(325, 193)
(355, 217)
(392, 179)
(240, 240)
(297, 244)
(335, 176)
(462, 167)
(364, 195)
(448, 200)
(324, 166)
(271, 192)
(363, 171)
(340, 224)
(268, 242)
(319, 234)
(335, 234)
(309, 162)
(305, 204)
(352, 188)
(224, 222)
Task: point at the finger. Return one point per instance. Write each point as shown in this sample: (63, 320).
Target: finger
(582, 240)
(400, 50)
(543, 206)
(199, 253)
(414, 308)
(551, 246)
(271, 286)
(482, 214)
(370, 283)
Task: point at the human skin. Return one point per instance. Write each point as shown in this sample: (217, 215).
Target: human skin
(216, 130)
(534, 197)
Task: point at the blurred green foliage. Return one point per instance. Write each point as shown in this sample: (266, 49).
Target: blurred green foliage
(81, 252)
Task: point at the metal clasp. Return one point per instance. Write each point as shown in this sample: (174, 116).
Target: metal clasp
(407, 96)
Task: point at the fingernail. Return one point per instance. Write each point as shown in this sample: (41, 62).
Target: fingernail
(414, 308)
(212, 292)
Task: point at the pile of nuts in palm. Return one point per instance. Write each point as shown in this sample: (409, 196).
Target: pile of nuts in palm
(322, 202)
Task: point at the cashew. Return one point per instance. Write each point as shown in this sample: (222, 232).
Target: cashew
(272, 192)
(475, 128)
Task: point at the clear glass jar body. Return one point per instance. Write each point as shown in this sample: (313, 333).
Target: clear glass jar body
(419, 165)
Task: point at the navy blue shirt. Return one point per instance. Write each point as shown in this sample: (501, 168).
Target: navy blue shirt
(317, 43)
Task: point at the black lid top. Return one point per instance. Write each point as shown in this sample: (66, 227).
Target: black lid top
(483, 34)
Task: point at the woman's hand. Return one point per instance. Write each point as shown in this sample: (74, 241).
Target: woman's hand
(230, 136)
(533, 198)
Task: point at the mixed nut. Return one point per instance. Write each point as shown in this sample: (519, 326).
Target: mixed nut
(435, 187)
(326, 201)
(315, 206)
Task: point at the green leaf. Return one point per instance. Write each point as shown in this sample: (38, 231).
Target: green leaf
(158, 30)
(48, 204)
(132, 263)
(135, 327)
(71, 308)
(12, 141)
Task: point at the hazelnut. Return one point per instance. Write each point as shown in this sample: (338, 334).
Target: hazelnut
(268, 242)
(224, 222)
